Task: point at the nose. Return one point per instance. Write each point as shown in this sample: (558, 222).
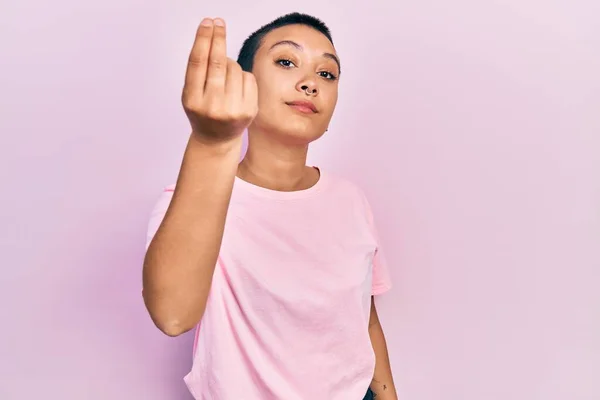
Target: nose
(309, 88)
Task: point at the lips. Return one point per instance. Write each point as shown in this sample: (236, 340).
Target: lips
(306, 107)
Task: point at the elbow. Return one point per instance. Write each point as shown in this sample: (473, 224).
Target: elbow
(172, 328)
(170, 323)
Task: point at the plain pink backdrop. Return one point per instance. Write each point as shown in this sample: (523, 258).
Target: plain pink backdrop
(473, 126)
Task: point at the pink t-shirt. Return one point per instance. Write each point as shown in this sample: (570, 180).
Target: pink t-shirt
(288, 310)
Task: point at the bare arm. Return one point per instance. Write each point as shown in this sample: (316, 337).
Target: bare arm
(220, 101)
(180, 260)
(383, 382)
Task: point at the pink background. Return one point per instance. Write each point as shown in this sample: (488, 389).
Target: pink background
(474, 127)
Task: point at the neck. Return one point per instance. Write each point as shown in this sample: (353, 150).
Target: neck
(275, 165)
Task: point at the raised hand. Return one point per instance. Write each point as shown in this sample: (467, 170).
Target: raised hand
(219, 98)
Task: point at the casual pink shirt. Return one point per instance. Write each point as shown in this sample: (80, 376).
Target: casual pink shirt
(288, 310)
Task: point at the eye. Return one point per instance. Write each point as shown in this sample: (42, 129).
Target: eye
(328, 75)
(285, 63)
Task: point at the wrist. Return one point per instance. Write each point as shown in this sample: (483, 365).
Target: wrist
(230, 147)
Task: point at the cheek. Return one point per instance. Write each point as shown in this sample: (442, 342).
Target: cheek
(330, 98)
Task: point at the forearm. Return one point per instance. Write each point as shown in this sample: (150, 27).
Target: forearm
(382, 384)
(180, 260)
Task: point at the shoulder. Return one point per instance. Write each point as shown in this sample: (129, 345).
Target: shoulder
(347, 191)
(345, 186)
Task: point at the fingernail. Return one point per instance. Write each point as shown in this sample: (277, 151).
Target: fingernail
(219, 22)
(207, 22)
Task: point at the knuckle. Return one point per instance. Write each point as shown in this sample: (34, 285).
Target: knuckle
(219, 31)
(196, 60)
(234, 116)
(251, 113)
(216, 63)
(218, 111)
(234, 65)
(203, 30)
(244, 114)
(214, 113)
(188, 100)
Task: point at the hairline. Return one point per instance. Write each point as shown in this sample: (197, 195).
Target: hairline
(263, 35)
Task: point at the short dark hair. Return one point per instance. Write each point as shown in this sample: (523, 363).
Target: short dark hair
(253, 42)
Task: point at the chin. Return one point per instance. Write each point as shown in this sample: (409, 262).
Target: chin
(303, 137)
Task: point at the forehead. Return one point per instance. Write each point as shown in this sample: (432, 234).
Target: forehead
(309, 38)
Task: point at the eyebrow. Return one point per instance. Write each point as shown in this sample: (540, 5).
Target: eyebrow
(299, 47)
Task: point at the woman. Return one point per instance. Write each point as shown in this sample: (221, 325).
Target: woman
(274, 261)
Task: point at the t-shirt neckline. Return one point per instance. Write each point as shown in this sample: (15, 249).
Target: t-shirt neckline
(282, 195)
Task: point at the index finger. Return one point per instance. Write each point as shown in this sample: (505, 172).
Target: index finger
(195, 76)
(217, 59)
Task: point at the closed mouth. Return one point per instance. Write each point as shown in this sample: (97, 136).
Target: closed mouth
(304, 106)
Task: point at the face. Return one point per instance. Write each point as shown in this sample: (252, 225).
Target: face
(297, 72)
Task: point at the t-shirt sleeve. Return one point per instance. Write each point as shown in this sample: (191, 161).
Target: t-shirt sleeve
(382, 281)
(158, 213)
